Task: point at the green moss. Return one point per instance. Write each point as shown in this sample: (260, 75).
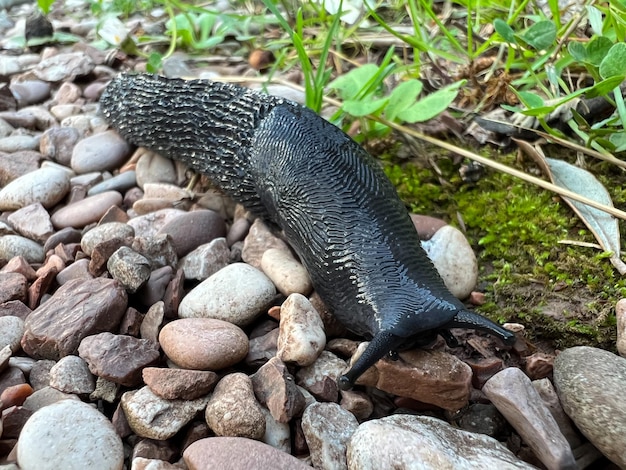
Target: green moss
(564, 294)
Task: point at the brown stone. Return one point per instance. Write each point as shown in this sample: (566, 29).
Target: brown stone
(483, 369)
(173, 294)
(14, 308)
(173, 384)
(19, 265)
(13, 420)
(539, 365)
(41, 286)
(76, 310)
(429, 376)
(13, 286)
(262, 348)
(357, 403)
(15, 395)
(275, 388)
(118, 358)
(14, 165)
(192, 229)
(131, 322)
(102, 252)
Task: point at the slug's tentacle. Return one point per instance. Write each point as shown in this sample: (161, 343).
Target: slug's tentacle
(338, 210)
(470, 320)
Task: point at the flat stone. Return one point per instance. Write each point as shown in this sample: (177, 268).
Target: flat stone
(238, 452)
(320, 378)
(237, 294)
(206, 260)
(203, 343)
(32, 221)
(11, 331)
(13, 286)
(47, 185)
(120, 183)
(328, 428)
(301, 337)
(64, 67)
(233, 409)
(100, 152)
(590, 384)
(276, 388)
(412, 442)
(15, 165)
(513, 394)
(174, 384)
(57, 144)
(12, 246)
(148, 225)
(18, 143)
(156, 418)
(76, 310)
(118, 358)
(104, 232)
(260, 239)
(192, 229)
(86, 211)
(87, 438)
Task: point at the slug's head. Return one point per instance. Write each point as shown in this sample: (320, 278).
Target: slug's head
(385, 342)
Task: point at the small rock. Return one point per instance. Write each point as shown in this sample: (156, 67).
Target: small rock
(47, 185)
(118, 358)
(13, 286)
(539, 365)
(77, 270)
(130, 268)
(327, 428)
(66, 236)
(154, 290)
(157, 249)
(76, 310)
(155, 418)
(120, 183)
(30, 91)
(454, 259)
(100, 152)
(192, 229)
(275, 388)
(424, 442)
(174, 384)
(206, 260)
(40, 374)
(357, 403)
(71, 375)
(237, 294)
(548, 395)
(18, 143)
(148, 225)
(484, 419)
(320, 378)
(105, 390)
(260, 239)
(105, 232)
(32, 221)
(16, 165)
(301, 337)
(64, 67)
(86, 211)
(434, 377)
(215, 453)
(153, 168)
(45, 397)
(57, 144)
(233, 409)
(203, 343)
(512, 393)
(620, 316)
(590, 383)
(286, 272)
(14, 245)
(152, 322)
(87, 438)
(262, 349)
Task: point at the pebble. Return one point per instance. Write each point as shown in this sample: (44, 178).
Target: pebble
(260, 239)
(155, 418)
(434, 377)
(511, 391)
(203, 343)
(32, 221)
(104, 232)
(129, 268)
(77, 309)
(19, 143)
(13, 286)
(71, 375)
(15, 165)
(192, 229)
(149, 224)
(119, 183)
(64, 67)
(57, 144)
(15, 395)
(100, 152)
(287, 273)
(590, 384)
(206, 260)
(320, 378)
(154, 168)
(14, 245)
(454, 259)
(237, 293)
(328, 428)
(118, 358)
(11, 331)
(278, 435)
(157, 249)
(30, 91)
(301, 337)
(87, 438)
(47, 185)
(216, 453)
(276, 388)
(416, 442)
(233, 410)
(357, 403)
(77, 270)
(86, 211)
(179, 384)
(620, 316)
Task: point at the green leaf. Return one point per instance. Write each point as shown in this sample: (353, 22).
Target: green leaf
(597, 49)
(577, 51)
(541, 35)
(530, 100)
(595, 19)
(155, 61)
(504, 30)
(619, 140)
(605, 86)
(615, 61)
(348, 85)
(44, 5)
(359, 108)
(402, 97)
(433, 104)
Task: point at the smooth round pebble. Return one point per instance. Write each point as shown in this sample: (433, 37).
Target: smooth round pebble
(119, 183)
(203, 343)
(218, 453)
(71, 375)
(16, 143)
(154, 168)
(100, 152)
(47, 185)
(30, 91)
(14, 245)
(11, 332)
(286, 272)
(192, 229)
(237, 294)
(87, 438)
(86, 211)
(104, 232)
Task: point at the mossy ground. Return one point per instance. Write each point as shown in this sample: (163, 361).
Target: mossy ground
(563, 294)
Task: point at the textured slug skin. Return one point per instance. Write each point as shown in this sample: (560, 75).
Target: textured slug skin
(335, 205)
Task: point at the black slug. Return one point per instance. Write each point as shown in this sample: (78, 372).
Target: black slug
(335, 205)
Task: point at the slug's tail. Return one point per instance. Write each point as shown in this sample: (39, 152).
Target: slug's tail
(387, 343)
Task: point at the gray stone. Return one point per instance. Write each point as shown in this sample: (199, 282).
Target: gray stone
(71, 375)
(86, 211)
(14, 245)
(47, 185)
(130, 268)
(206, 260)
(32, 221)
(105, 232)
